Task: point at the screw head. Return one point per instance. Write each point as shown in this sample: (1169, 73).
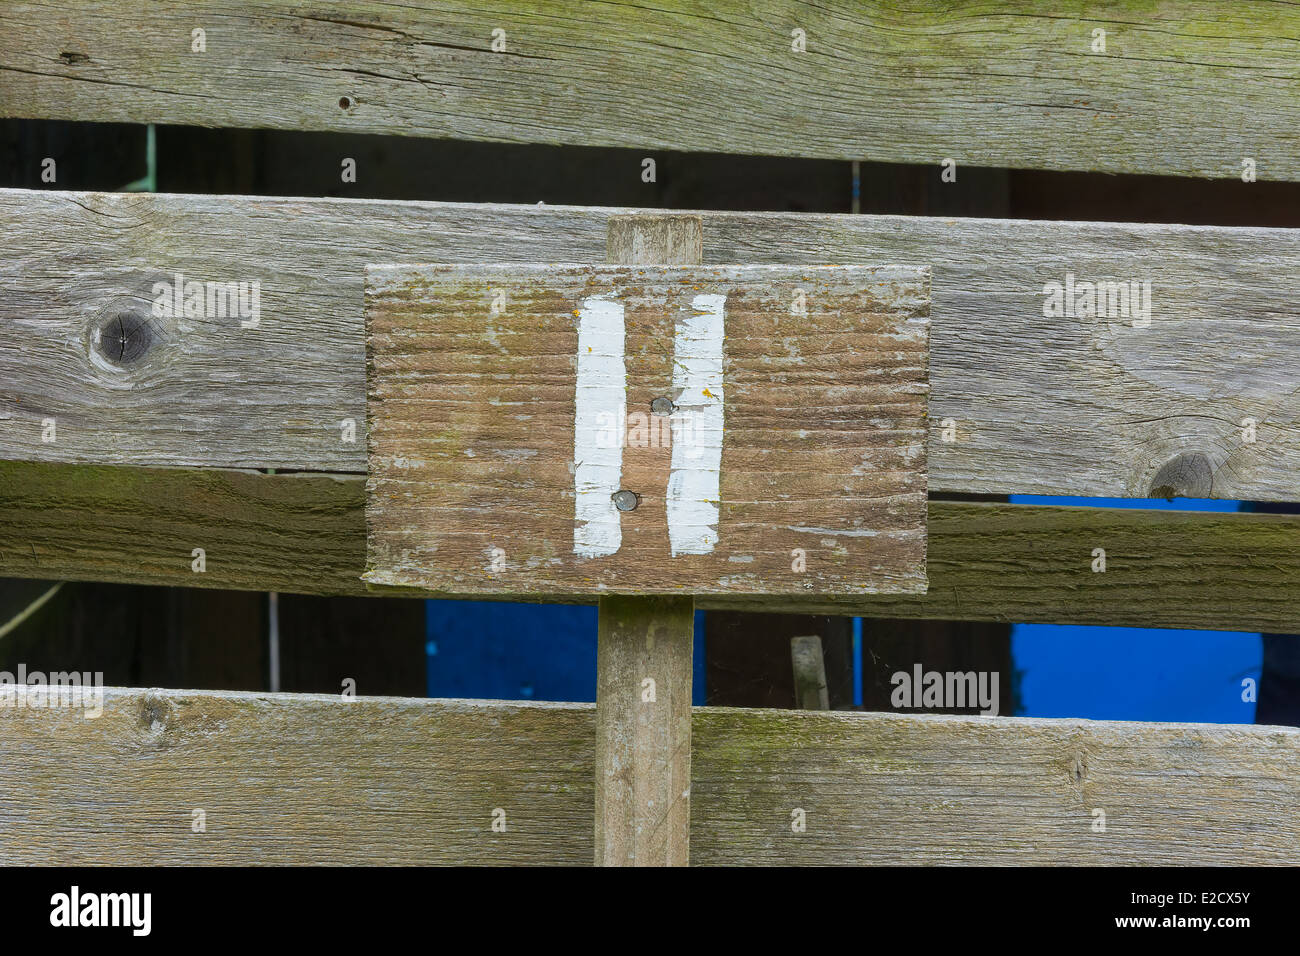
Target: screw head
(625, 500)
(662, 406)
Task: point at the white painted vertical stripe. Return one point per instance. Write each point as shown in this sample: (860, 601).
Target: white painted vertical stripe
(694, 482)
(598, 430)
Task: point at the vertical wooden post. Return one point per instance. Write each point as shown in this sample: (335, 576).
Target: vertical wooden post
(810, 691)
(643, 731)
(643, 665)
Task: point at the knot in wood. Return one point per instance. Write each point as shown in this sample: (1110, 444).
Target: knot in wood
(154, 713)
(125, 336)
(1189, 475)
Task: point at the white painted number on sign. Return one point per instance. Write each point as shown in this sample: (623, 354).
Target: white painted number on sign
(696, 466)
(694, 482)
(597, 470)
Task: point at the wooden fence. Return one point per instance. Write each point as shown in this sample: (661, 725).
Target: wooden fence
(292, 778)
(165, 436)
(1000, 85)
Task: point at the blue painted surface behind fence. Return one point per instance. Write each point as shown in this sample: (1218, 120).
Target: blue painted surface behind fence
(1128, 673)
(498, 650)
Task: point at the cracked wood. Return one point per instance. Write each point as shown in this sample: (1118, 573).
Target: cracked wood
(1039, 405)
(1003, 84)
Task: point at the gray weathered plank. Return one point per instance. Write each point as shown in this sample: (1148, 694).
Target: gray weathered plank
(379, 780)
(404, 781)
(1004, 84)
(790, 457)
(895, 789)
(305, 534)
(1038, 405)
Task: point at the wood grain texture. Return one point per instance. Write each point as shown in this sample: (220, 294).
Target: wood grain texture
(880, 789)
(643, 731)
(378, 780)
(793, 460)
(655, 239)
(1039, 405)
(405, 781)
(645, 652)
(1005, 84)
(305, 534)
(809, 665)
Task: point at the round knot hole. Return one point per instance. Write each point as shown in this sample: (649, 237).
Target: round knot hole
(1189, 475)
(125, 337)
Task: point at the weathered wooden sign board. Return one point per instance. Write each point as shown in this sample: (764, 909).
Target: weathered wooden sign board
(573, 429)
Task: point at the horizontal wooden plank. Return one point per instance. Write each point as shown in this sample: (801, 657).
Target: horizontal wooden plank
(1003, 84)
(380, 780)
(302, 533)
(515, 445)
(1036, 404)
(407, 781)
(894, 789)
